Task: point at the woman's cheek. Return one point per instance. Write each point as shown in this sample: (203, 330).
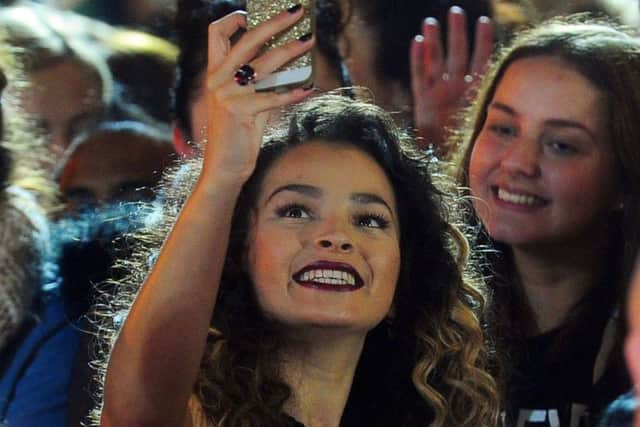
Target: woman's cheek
(632, 353)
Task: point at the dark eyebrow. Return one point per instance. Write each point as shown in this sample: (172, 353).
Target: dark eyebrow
(307, 190)
(562, 123)
(316, 193)
(367, 198)
(503, 107)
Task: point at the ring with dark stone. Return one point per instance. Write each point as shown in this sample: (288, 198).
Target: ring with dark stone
(244, 75)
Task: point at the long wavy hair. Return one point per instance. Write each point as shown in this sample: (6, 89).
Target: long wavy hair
(428, 363)
(608, 56)
(22, 150)
(25, 193)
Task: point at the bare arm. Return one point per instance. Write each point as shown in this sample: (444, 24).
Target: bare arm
(155, 361)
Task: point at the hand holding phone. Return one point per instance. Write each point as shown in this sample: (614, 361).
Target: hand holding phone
(298, 72)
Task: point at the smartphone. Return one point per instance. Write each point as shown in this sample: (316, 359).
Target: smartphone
(299, 72)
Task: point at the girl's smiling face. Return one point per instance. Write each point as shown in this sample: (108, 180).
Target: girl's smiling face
(323, 247)
(542, 169)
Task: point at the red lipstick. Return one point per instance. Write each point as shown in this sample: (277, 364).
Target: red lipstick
(329, 276)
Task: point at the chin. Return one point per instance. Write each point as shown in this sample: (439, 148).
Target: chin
(330, 322)
(532, 243)
(511, 235)
(514, 241)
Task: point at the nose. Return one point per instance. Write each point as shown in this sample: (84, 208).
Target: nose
(334, 243)
(522, 158)
(333, 237)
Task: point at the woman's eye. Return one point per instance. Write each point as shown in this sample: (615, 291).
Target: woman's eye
(503, 130)
(372, 221)
(561, 147)
(293, 211)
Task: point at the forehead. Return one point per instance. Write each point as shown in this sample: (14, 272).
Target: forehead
(62, 104)
(106, 152)
(333, 166)
(549, 82)
(545, 89)
(79, 78)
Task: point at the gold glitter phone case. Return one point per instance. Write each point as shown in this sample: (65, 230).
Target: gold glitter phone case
(299, 72)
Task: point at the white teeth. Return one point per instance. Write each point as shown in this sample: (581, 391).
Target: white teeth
(331, 277)
(520, 199)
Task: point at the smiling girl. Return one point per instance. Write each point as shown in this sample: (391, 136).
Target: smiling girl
(310, 278)
(550, 156)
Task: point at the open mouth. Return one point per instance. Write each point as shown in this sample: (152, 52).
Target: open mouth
(329, 276)
(515, 198)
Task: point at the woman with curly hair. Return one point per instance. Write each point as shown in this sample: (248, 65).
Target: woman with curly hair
(310, 278)
(550, 155)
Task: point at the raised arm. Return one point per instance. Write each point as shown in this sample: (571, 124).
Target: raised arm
(155, 361)
(440, 85)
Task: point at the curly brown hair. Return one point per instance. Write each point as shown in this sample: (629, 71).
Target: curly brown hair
(427, 364)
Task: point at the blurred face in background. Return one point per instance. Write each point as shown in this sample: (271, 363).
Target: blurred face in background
(111, 167)
(61, 98)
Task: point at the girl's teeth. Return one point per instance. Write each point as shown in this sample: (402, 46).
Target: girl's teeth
(332, 277)
(520, 199)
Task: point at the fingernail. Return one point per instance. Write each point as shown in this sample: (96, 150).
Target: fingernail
(484, 20)
(295, 8)
(305, 37)
(418, 38)
(431, 21)
(457, 10)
